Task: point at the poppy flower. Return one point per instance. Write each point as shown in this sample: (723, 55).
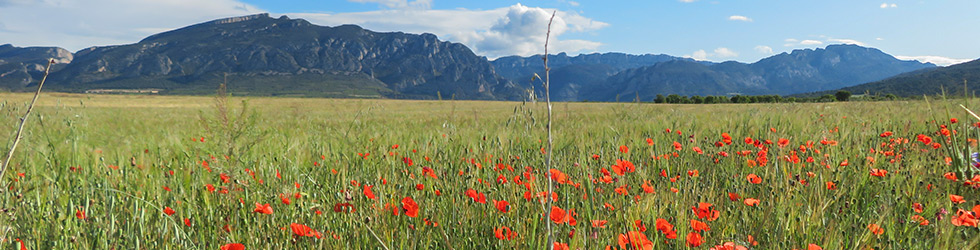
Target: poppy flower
(22, 245)
(640, 226)
(634, 240)
(964, 218)
(813, 247)
(704, 210)
(599, 223)
(956, 199)
(80, 214)
(699, 226)
(419, 187)
(677, 146)
(476, 196)
(624, 149)
(831, 185)
(410, 208)
(284, 199)
(646, 187)
(729, 246)
(875, 229)
(917, 207)
(503, 206)
(187, 221)
(922, 220)
(503, 233)
(303, 230)
(369, 193)
(560, 246)
(751, 202)
(879, 172)
(782, 142)
(694, 239)
(557, 215)
(233, 246)
(950, 176)
(169, 211)
(754, 179)
(262, 209)
(734, 197)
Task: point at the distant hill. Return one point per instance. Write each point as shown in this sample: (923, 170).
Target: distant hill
(927, 82)
(806, 70)
(260, 55)
(20, 67)
(571, 74)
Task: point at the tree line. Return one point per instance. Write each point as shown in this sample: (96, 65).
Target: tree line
(840, 96)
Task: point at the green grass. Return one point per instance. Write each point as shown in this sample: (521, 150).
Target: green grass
(304, 140)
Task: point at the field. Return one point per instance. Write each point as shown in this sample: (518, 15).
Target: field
(163, 172)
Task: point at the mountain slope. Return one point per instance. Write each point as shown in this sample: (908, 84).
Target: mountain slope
(20, 67)
(787, 73)
(927, 82)
(267, 56)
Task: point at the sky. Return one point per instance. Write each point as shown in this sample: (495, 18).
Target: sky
(938, 31)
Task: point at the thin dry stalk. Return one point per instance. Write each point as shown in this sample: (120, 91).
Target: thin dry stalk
(23, 120)
(547, 162)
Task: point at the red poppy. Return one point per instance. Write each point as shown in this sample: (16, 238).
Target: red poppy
(831, 185)
(187, 221)
(369, 193)
(303, 230)
(503, 233)
(622, 167)
(262, 209)
(705, 210)
(635, 240)
(233, 246)
(950, 176)
(922, 220)
(646, 187)
(729, 246)
(751, 202)
(168, 211)
(813, 247)
(677, 146)
(886, 134)
(476, 196)
(624, 149)
(503, 206)
(649, 141)
(599, 223)
(754, 179)
(419, 186)
(699, 226)
(640, 226)
(22, 245)
(560, 246)
(80, 214)
(694, 239)
(917, 207)
(965, 218)
(875, 229)
(879, 172)
(557, 215)
(956, 199)
(410, 207)
(782, 142)
(284, 198)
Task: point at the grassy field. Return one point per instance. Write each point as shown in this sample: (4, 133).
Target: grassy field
(166, 172)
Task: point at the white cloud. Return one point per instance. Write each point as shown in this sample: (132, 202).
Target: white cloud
(791, 40)
(573, 3)
(699, 55)
(725, 53)
(740, 18)
(888, 5)
(719, 53)
(847, 41)
(399, 4)
(810, 42)
(514, 30)
(77, 24)
(879, 39)
(938, 60)
(764, 49)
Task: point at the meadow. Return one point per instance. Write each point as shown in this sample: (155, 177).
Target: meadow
(173, 172)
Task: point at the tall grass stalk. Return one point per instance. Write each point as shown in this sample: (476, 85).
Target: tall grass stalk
(547, 97)
(23, 121)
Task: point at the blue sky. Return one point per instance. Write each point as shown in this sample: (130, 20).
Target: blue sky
(940, 31)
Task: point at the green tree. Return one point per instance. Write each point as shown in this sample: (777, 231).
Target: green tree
(842, 95)
(659, 99)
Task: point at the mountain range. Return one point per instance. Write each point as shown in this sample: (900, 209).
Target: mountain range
(261, 55)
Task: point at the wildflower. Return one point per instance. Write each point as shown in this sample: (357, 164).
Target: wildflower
(503, 233)
(368, 192)
(557, 215)
(635, 240)
(233, 246)
(751, 202)
(699, 226)
(875, 229)
(302, 230)
(410, 208)
(168, 211)
(502, 206)
(694, 239)
(262, 209)
(956, 199)
(964, 218)
(80, 214)
(831, 185)
(878, 172)
(704, 211)
(754, 179)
